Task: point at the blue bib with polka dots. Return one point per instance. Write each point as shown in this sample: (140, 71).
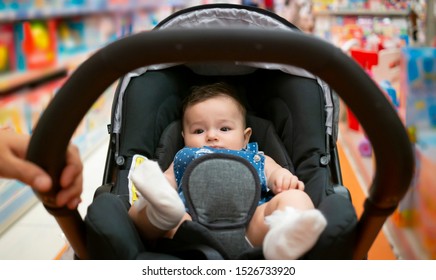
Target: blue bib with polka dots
(257, 159)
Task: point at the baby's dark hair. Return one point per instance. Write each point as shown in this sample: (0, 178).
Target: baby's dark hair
(201, 93)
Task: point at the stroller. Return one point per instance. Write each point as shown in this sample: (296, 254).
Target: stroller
(280, 74)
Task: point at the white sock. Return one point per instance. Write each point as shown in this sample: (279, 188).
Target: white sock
(165, 209)
(292, 233)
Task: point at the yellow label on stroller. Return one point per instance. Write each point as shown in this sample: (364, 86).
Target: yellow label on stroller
(133, 194)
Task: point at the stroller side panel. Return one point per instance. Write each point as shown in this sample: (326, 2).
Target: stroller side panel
(156, 105)
(295, 105)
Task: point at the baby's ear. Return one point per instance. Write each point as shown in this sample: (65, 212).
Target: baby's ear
(247, 135)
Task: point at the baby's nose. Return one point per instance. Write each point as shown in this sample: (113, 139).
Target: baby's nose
(211, 135)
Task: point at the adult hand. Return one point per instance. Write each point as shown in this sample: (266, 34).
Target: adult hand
(13, 165)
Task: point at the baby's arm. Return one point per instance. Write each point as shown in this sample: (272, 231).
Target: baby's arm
(280, 179)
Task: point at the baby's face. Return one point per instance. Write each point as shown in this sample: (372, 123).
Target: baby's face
(217, 122)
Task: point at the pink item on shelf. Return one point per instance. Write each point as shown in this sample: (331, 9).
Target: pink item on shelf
(365, 148)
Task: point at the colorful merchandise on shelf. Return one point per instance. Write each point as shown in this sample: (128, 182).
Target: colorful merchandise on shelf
(369, 32)
(406, 215)
(323, 5)
(71, 37)
(365, 148)
(94, 4)
(7, 52)
(419, 88)
(35, 43)
(100, 30)
(426, 196)
(147, 20)
(118, 3)
(366, 59)
(93, 127)
(11, 114)
(418, 99)
(124, 24)
(350, 5)
(143, 20)
(388, 67)
(390, 92)
(5, 5)
(26, 8)
(370, 60)
(36, 100)
(22, 111)
(16, 5)
(77, 3)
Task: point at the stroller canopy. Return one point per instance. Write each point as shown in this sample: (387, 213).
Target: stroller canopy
(232, 16)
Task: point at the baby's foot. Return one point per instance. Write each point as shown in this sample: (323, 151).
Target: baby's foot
(292, 233)
(164, 206)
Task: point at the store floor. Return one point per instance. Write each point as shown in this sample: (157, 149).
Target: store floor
(36, 236)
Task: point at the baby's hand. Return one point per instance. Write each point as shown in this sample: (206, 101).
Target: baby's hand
(282, 180)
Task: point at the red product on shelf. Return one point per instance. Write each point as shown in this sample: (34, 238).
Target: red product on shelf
(35, 44)
(366, 59)
(7, 53)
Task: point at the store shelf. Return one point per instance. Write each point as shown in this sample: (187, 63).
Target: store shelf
(15, 200)
(411, 22)
(404, 240)
(61, 11)
(369, 13)
(13, 82)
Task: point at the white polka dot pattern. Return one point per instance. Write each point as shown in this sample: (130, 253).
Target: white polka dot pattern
(257, 159)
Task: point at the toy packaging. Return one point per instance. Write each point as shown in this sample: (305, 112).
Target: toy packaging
(35, 43)
(419, 88)
(70, 37)
(7, 53)
(100, 30)
(418, 91)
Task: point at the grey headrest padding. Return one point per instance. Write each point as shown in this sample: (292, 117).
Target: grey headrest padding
(222, 192)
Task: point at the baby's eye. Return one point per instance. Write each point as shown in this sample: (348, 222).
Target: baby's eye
(198, 131)
(225, 129)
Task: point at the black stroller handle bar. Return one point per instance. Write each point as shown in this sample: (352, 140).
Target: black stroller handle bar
(393, 150)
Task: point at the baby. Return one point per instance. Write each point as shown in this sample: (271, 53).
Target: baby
(286, 224)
